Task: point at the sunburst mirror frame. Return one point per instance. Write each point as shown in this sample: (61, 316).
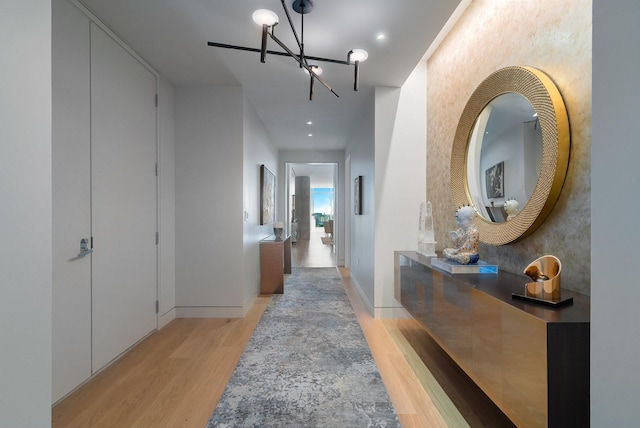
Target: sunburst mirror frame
(547, 101)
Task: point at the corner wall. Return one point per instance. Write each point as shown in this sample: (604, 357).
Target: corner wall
(167, 203)
(615, 319)
(549, 35)
(209, 187)
(25, 214)
(388, 150)
(257, 150)
(400, 179)
(361, 153)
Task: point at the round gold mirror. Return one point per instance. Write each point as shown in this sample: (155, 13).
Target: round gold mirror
(510, 153)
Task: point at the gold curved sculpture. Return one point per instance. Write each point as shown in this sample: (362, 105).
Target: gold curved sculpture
(545, 272)
(546, 100)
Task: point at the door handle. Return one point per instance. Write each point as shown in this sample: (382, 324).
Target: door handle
(84, 248)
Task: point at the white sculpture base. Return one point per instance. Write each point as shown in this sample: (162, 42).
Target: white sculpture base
(427, 248)
(454, 267)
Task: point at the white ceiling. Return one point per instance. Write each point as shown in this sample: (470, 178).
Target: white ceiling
(320, 174)
(172, 36)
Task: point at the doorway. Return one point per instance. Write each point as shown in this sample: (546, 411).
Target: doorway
(104, 208)
(311, 213)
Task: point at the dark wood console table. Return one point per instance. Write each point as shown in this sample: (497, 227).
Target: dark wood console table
(275, 261)
(532, 361)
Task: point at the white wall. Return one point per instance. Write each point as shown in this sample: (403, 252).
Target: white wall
(361, 151)
(209, 201)
(503, 149)
(400, 169)
(71, 197)
(25, 214)
(167, 201)
(389, 151)
(615, 180)
(258, 150)
(312, 156)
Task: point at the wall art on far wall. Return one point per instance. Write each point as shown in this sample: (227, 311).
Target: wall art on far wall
(357, 195)
(494, 177)
(267, 196)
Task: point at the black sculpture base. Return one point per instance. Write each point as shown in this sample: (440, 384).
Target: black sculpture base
(552, 303)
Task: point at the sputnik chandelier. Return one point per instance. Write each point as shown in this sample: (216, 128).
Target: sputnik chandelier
(269, 20)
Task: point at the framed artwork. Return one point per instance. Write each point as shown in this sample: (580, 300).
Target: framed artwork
(267, 196)
(357, 195)
(494, 180)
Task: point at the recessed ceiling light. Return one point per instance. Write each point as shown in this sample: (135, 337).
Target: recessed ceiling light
(381, 36)
(310, 135)
(309, 123)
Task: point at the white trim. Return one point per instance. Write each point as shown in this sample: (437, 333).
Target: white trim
(166, 318)
(396, 313)
(248, 304)
(210, 312)
(362, 295)
(82, 8)
(453, 19)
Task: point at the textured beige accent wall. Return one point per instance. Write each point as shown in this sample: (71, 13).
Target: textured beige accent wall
(555, 37)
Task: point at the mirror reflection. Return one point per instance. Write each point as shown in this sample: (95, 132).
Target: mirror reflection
(504, 157)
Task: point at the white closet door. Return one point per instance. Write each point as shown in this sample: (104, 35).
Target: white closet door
(123, 156)
(71, 351)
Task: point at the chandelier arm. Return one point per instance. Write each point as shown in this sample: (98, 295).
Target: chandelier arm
(263, 49)
(244, 48)
(302, 35)
(334, 61)
(295, 34)
(309, 69)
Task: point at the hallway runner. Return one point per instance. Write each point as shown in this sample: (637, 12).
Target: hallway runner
(307, 364)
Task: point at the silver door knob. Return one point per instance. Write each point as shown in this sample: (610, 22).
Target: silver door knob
(84, 248)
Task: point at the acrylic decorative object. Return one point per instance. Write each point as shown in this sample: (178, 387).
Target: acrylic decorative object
(426, 236)
(453, 267)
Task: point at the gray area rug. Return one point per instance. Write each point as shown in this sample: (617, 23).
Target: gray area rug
(307, 364)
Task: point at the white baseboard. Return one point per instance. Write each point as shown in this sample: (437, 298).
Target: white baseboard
(210, 312)
(248, 305)
(379, 312)
(362, 295)
(391, 313)
(166, 318)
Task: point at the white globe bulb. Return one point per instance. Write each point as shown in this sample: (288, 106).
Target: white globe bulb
(358, 55)
(265, 17)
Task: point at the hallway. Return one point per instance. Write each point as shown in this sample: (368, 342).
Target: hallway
(313, 252)
(176, 376)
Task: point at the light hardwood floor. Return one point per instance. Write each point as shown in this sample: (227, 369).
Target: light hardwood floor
(312, 252)
(176, 376)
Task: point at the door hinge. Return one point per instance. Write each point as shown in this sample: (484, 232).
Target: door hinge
(156, 169)
(157, 306)
(156, 100)
(157, 238)
(92, 242)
